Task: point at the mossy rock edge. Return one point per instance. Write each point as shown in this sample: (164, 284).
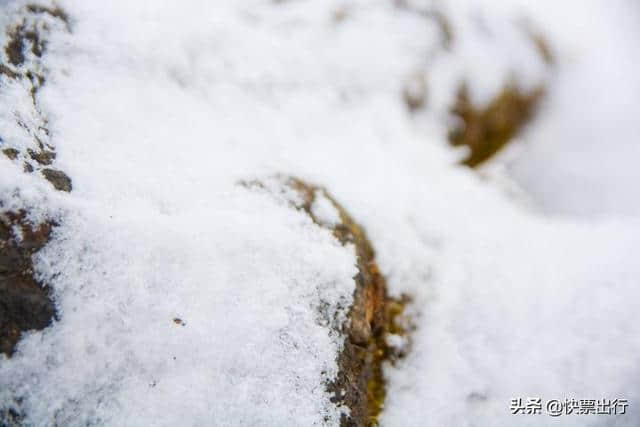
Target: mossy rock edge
(373, 316)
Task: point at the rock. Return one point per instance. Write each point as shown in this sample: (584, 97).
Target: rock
(59, 179)
(6, 71)
(44, 157)
(15, 46)
(24, 302)
(486, 130)
(11, 153)
(374, 315)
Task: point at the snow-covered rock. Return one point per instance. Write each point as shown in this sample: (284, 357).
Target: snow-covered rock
(187, 295)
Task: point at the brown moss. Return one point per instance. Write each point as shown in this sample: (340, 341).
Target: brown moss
(486, 130)
(360, 384)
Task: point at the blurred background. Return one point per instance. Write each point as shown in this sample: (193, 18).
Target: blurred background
(579, 154)
(583, 155)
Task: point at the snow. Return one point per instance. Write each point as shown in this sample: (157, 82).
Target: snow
(324, 211)
(158, 111)
(250, 332)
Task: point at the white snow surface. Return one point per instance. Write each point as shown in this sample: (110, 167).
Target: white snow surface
(158, 109)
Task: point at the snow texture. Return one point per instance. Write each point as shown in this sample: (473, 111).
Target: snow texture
(187, 299)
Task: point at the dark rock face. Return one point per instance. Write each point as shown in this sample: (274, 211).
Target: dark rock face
(24, 302)
(374, 315)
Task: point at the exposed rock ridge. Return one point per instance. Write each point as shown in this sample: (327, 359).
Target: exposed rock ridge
(374, 316)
